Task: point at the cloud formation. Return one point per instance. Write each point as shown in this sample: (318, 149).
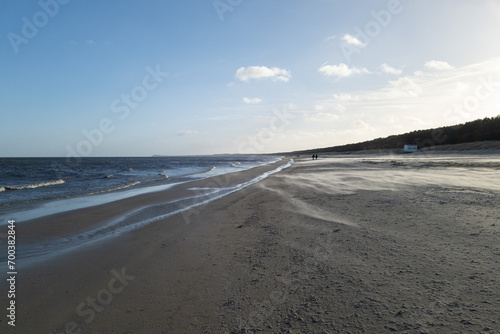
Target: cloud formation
(341, 70)
(187, 133)
(351, 40)
(322, 117)
(438, 65)
(252, 101)
(390, 70)
(344, 97)
(406, 86)
(426, 99)
(262, 72)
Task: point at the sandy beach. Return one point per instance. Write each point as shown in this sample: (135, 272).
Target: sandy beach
(348, 244)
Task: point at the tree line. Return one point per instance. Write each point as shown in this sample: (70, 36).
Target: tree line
(485, 129)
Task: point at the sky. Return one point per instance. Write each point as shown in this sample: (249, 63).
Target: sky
(137, 78)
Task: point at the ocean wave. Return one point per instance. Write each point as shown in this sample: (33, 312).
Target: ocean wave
(128, 185)
(205, 172)
(120, 187)
(36, 185)
(163, 177)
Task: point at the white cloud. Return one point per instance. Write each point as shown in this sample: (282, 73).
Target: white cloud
(390, 70)
(420, 100)
(187, 133)
(329, 105)
(252, 101)
(415, 101)
(405, 86)
(344, 97)
(460, 88)
(260, 72)
(438, 65)
(219, 118)
(322, 117)
(341, 70)
(362, 125)
(414, 120)
(389, 119)
(349, 39)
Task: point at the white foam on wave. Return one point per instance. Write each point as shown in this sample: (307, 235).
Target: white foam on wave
(36, 185)
(119, 226)
(205, 172)
(162, 177)
(121, 187)
(128, 185)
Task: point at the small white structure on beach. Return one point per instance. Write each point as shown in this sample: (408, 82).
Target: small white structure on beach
(410, 148)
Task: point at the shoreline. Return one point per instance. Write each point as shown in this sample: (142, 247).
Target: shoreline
(121, 191)
(52, 233)
(332, 246)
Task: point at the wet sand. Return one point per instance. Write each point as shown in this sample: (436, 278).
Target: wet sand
(338, 245)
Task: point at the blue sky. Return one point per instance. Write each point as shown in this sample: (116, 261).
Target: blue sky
(136, 78)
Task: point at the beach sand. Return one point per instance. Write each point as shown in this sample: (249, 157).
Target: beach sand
(337, 245)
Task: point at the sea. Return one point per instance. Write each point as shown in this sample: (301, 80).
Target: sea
(38, 187)
(30, 183)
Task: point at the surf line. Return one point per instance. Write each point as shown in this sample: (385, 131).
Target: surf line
(113, 228)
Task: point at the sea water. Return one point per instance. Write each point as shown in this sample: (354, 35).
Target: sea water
(27, 183)
(37, 187)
